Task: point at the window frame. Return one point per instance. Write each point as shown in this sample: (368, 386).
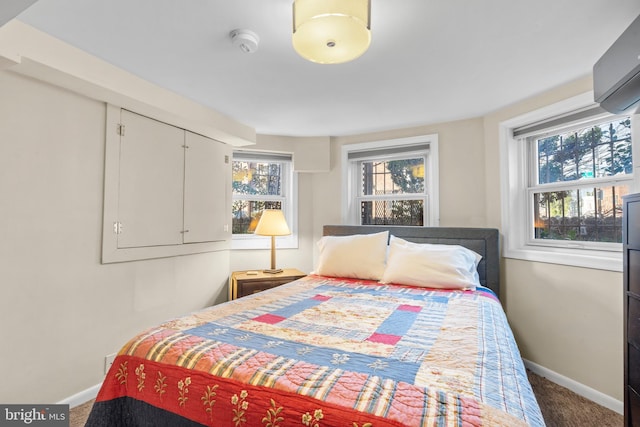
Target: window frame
(517, 200)
(578, 184)
(288, 199)
(410, 147)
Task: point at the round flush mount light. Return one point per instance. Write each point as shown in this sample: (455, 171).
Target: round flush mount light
(246, 40)
(331, 31)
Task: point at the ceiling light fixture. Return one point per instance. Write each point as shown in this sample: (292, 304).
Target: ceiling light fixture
(246, 40)
(331, 31)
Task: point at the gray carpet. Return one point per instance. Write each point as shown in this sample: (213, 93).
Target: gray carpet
(560, 408)
(563, 408)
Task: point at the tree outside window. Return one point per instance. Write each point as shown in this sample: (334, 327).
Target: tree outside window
(581, 170)
(393, 192)
(256, 185)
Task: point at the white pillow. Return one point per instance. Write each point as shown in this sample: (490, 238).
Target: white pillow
(433, 266)
(360, 256)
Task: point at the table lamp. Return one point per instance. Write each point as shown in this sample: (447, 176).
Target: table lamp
(272, 223)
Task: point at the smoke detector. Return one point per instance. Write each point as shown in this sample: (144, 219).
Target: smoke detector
(246, 40)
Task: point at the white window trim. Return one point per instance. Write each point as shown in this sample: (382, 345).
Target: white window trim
(350, 188)
(515, 204)
(253, 241)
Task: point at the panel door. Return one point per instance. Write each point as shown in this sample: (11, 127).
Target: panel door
(633, 226)
(207, 196)
(150, 208)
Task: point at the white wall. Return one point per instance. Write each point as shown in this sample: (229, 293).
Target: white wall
(61, 311)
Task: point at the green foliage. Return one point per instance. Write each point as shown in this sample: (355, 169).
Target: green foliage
(253, 179)
(601, 150)
(407, 176)
(403, 175)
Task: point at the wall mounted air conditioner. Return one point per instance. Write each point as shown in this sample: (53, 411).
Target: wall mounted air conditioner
(616, 76)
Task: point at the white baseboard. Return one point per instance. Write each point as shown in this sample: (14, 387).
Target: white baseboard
(576, 387)
(81, 397)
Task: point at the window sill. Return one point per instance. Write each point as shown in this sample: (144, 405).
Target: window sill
(264, 242)
(599, 260)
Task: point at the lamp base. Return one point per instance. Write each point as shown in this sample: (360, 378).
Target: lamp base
(273, 271)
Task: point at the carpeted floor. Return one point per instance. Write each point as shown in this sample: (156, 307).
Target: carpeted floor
(78, 415)
(560, 408)
(563, 408)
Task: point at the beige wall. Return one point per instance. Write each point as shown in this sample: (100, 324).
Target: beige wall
(462, 174)
(304, 151)
(61, 311)
(577, 313)
(461, 187)
(56, 291)
(301, 257)
(566, 319)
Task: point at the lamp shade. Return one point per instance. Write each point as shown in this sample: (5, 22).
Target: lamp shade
(272, 223)
(331, 31)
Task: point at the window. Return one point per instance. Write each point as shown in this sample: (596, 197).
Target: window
(569, 166)
(261, 181)
(579, 176)
(391, 182)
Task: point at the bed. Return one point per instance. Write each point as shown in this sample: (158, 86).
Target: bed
(397, 326)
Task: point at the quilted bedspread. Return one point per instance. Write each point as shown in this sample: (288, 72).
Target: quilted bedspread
(323, 351)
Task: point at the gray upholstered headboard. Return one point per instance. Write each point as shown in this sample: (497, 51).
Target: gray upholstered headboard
(484, 241)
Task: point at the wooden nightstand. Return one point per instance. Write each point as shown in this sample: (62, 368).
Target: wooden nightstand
(241, 283)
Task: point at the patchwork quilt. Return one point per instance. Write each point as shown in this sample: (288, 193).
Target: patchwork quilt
(324, 351)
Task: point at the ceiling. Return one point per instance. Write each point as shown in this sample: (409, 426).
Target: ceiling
(429, 61)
